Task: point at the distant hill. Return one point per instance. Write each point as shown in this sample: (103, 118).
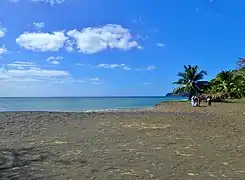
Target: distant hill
(179, 94)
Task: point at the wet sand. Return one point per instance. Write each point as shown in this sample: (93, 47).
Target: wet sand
(171, 141)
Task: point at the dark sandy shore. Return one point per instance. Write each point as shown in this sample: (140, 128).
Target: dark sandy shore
(172, 141)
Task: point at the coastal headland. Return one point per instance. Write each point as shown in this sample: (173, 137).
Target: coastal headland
(170, 141)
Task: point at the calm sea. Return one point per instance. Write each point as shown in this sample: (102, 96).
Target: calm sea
(80, 103)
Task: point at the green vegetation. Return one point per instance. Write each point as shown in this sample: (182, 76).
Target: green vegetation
(227, 84)
(230, 83)
(188, 80)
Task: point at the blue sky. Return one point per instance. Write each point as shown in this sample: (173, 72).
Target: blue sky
(108, 47)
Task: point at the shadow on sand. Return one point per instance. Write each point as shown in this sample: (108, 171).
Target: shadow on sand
(21, 163)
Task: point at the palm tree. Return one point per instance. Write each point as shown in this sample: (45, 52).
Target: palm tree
(188, 81)
(240, 83)
(240, 62)
(229, 83)
(241, 72)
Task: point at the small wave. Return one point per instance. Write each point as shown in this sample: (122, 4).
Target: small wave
(100, 110)
(177, 100)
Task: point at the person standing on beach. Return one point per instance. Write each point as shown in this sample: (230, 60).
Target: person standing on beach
(209, 101)
(198, 100)
(193, 101)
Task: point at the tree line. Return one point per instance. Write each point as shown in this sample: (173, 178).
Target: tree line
(226, 84)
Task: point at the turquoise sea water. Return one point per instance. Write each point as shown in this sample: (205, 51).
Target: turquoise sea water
(80, 103)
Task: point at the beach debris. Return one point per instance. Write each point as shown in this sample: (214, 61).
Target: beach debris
(157, 148)
(156, 127)
(211, 175)
(187, 147)
(181, 154)
(131, 173)
(60, 142)
(237, 172)
(130, 150)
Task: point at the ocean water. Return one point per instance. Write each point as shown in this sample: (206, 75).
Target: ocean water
(77, 104)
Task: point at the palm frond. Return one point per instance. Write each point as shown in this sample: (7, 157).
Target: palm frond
(180, 82)
(198, 77)
(180, 74)
(203, 72)
(178, 89)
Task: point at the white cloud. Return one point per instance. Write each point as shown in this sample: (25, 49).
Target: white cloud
(112, 66)
(20, 74)
(151, 68)
(96, 80)
(3, 50)
(160, 45)
(93, 40)
(2, 32)
(140, 47)
(54, 60)
(79, 64)
(36, 72)
(51, 2)
(120, 66)
(138, 20)
(89, 41)
(69, 45)
(14, 1)
(42, 41)
(23, 78)
(21, 65)
(109, 65)
(39, 25)
(34, 79)
(69, 48)
(127, 68)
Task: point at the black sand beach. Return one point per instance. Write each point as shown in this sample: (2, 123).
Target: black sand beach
(171, 141)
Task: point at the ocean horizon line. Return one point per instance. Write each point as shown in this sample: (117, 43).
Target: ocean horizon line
(85, 96)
